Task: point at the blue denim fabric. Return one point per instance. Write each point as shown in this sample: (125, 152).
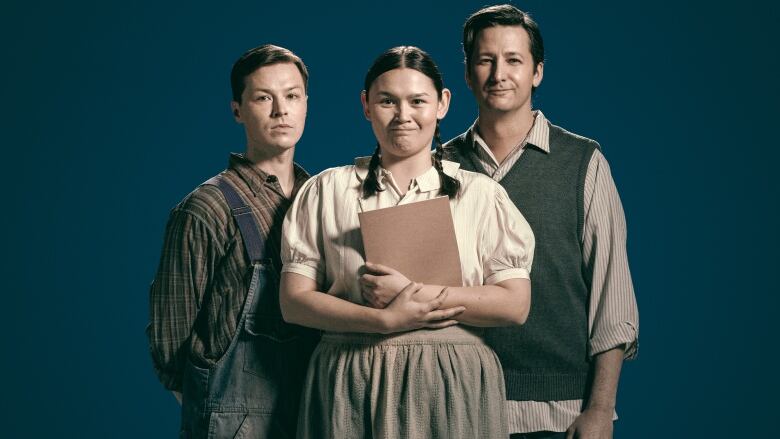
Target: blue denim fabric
(253, 391)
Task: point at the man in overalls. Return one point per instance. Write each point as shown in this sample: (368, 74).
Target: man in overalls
(216, 334)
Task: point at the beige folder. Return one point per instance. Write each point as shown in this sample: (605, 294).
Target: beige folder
(417, 239)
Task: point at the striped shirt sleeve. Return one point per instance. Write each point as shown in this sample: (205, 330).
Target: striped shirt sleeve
(613, 317)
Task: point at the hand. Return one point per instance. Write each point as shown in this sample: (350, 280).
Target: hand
(381, 285)
(592, 423)
(405, 314)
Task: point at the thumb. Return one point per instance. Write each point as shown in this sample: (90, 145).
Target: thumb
(380, 269)
(409, 290)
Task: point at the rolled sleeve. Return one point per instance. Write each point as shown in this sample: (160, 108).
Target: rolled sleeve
(613, 316)
(507, 243)
(302, 245)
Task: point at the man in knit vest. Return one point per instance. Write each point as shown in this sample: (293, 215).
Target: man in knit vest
(562, 367)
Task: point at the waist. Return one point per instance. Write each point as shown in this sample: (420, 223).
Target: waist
(452, 335)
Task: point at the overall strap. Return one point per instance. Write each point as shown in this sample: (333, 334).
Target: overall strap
(247, 225)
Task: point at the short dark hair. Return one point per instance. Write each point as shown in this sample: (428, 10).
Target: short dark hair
(501, 15)
(261, 56)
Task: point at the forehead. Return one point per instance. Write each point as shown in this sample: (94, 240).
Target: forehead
(275, 76)
(403, 81)
(499, 39)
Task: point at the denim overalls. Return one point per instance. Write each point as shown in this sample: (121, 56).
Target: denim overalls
(253, 391)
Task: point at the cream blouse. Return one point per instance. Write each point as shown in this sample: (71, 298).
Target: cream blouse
(321, 233)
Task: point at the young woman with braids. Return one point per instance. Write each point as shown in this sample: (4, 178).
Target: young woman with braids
(398, 358)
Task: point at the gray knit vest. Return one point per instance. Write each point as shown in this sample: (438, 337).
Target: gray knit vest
(546, 359)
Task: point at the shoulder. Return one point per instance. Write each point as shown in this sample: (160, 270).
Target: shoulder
(560, 135)
(205, 208)
(329, 181)
(457, 140)
(477, 186)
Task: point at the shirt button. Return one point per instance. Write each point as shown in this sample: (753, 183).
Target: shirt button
(271, 179)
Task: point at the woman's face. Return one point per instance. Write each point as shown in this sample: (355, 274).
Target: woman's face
(403, 106)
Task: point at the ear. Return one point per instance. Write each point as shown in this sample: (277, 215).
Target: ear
(538, 74)
(235, 108)
(467, 77)
(444, 104)
(364, 101)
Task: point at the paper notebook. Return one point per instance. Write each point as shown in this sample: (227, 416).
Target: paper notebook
(417, 239)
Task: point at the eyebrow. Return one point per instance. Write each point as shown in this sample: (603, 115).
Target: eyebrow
(416, 95)
(265, 90)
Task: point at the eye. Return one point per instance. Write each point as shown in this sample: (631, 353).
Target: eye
(418, 101)
(385, 102)
(262, 98)
(293, 96)
(514, 61)
(484, 61)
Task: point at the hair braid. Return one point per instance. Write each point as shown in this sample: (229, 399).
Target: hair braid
(449, 185)
(371, 184)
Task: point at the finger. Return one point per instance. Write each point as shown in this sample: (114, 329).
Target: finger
(410, 289)
(444, 314)
(369, 280)
(442, 324)
(438, 301)
(381, 269)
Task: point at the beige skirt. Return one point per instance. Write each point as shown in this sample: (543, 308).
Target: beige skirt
(442, 383)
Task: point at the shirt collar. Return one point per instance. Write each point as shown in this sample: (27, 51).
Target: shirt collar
(426, 182)
(257, 179)
(538, 136)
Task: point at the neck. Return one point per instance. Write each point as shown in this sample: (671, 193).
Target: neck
(405, 169)
(276, 163)
(504, 131)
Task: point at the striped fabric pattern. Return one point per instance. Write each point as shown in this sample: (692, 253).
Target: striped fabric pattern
(613, 318)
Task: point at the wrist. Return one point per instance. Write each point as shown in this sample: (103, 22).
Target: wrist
(601, 407)
(385, 320)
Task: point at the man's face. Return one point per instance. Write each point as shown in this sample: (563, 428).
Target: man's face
(502, 73)
(272, 108)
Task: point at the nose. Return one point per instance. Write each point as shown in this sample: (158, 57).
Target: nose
(498, 71)
(279, 108)
(402, 112)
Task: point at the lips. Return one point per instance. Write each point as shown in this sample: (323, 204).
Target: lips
(281, 126)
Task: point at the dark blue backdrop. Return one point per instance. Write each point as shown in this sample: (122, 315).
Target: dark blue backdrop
(112, 113)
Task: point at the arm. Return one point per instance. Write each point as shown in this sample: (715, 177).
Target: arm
(504, 304)
(302, 304)
(176, 293)
(504, 250)
(595, 421)
(613, 316)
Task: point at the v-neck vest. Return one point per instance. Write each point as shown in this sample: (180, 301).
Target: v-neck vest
(546, 359)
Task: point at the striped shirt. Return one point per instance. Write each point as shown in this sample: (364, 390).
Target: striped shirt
(613, 319)
(203, 276)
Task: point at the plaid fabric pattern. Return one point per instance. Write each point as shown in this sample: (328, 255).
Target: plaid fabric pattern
(203, 276)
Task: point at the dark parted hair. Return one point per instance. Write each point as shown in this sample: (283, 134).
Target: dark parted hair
(261, 56)
(501, 15)
(409, 57)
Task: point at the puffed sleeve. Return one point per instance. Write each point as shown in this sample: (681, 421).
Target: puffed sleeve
(507, 242)
(302, 243)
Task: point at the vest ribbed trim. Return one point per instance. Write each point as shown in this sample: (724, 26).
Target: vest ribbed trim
(546, 359)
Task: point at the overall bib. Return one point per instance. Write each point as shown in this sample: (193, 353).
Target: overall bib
(253, 390)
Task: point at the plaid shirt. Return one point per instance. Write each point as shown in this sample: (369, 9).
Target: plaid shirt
(198, 293)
